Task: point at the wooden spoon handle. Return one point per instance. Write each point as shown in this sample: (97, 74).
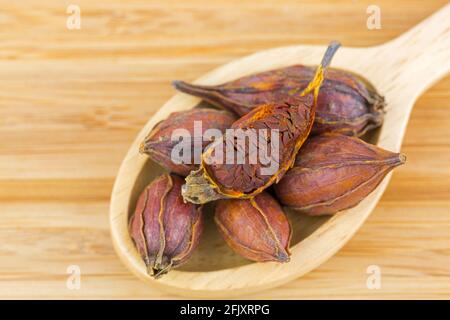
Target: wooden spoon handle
(421, 56)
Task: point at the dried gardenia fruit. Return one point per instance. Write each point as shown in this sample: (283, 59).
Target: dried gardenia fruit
(346, 103)
(333, 172)
(245, 168)
(158, 144)
(255, 228)
(164, 229)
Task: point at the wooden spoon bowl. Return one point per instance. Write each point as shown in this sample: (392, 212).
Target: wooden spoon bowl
(400, 70)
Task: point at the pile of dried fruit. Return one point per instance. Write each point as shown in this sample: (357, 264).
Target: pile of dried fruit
(321, 166)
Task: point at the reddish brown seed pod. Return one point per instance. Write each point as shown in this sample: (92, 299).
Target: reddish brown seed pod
(346, 103)
(288, 123)
(333, 172)
(256, 228)
(164, 229)
(191, 125)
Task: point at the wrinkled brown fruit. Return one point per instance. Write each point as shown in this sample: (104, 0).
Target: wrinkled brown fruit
(158, 145)
(346, 103)
(334, 172)
(164, 229)
(292, 119)
(256, 228)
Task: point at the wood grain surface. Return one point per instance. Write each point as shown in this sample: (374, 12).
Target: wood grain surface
(72, 101)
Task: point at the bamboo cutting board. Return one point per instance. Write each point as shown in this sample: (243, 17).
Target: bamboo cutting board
(73, 100)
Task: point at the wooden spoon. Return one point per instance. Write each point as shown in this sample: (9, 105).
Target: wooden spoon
(401, 70)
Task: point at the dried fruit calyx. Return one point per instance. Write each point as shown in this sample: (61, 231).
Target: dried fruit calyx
(164, 229)
(346, 103)
(256, 228)
(288, 123)
(184, 156)
(334, 172)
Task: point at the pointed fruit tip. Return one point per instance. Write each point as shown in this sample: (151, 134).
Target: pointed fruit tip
(282, 257)
(142, 148)
(155, 272)
(328, 56)
(176, 83)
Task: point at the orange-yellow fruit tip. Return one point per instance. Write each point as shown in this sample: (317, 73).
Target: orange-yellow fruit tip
(142, 147)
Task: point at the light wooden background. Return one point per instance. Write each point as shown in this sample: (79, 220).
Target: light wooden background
(71, 102)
